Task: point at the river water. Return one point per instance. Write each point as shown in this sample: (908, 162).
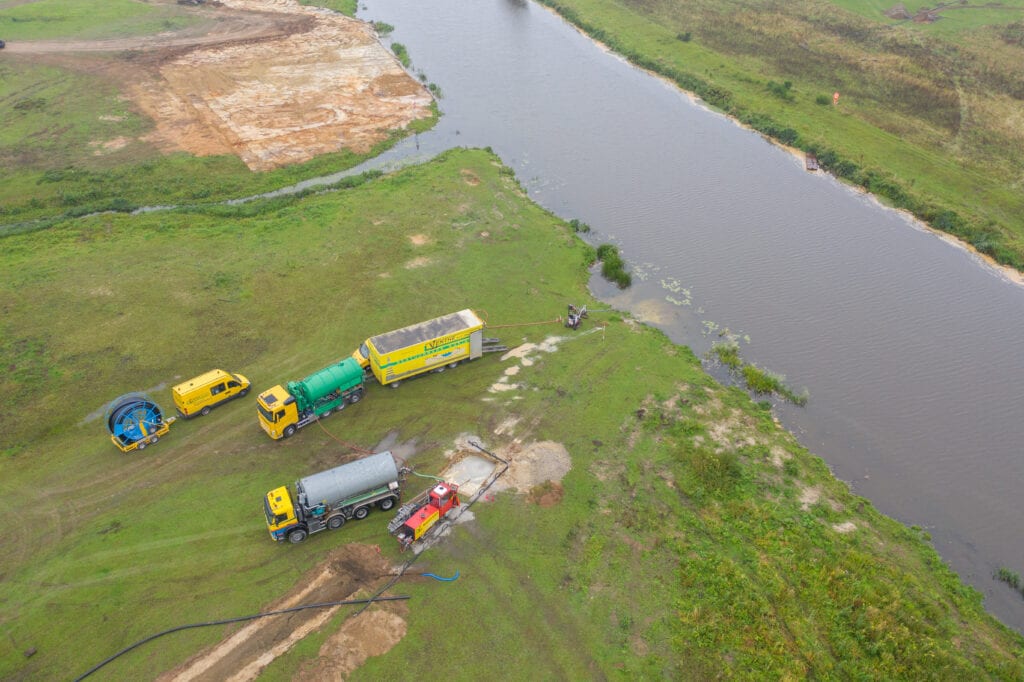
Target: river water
(908, 345)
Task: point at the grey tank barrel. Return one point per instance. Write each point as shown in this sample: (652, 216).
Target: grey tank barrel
(344, 481)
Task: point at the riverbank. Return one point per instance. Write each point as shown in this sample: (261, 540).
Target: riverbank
(690, 535)
(935, 168)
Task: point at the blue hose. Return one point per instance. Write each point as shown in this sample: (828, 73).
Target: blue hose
(444, 580)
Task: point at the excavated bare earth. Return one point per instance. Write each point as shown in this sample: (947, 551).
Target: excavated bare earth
(271, 81)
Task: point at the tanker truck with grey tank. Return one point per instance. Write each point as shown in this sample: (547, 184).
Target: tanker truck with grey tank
(330, 498)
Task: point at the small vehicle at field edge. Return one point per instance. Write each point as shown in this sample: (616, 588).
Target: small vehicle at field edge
(199, 395)
(415, 519)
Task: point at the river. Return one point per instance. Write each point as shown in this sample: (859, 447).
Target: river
(908, 345)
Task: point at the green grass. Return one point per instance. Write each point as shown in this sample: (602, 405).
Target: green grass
(681, 547)
(925, 119)
(346, 7)
(52, 19)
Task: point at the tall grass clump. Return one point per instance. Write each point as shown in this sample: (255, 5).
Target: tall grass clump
(1011, 578)
(402, 53)
(728, 354)
(578, 226)
(613, 268)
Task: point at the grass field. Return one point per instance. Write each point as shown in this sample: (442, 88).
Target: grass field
(929, 118)
(52, 19)
(71, 142)
(694, 538)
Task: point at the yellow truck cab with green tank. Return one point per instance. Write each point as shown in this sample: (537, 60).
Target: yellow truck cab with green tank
(284, 409)
(429, 346)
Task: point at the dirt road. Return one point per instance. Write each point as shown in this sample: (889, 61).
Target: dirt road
(271, 81)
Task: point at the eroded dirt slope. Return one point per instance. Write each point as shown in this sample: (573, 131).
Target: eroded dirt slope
(271, 81)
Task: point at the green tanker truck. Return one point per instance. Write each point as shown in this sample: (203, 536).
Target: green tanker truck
(284, 409)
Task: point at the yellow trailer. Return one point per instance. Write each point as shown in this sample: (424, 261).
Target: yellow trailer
(429, 346)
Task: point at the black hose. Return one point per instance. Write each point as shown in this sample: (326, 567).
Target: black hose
(102, 663)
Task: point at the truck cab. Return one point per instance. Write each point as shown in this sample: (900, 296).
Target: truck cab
(362, 356)
(277, 412)
(280, 512)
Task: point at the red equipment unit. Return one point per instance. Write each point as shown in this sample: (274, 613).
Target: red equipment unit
(441, 499)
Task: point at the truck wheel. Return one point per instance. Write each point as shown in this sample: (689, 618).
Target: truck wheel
(289, 431)
(243, 392)
(386, 503)
(325, 414)
(395, 384)
(297, 536)
(336, 522)
(354, 397)
(141, 445)
(361, 513)
(453, 365)
(205, 411)
(153, 439)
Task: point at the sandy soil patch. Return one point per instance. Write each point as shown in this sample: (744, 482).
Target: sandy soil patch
(809, 496)
(347, 571)
(272, 81)
(372, 633)
(280, 101)
(533, 464)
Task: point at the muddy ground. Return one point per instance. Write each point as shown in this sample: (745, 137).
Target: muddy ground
(271, 81)
(350, 572)
(357, 571)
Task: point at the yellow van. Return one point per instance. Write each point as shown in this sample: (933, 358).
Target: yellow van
(201, 394)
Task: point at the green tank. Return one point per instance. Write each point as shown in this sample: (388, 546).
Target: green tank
(322, 388)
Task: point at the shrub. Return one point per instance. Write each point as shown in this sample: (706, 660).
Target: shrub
(613, 268)
(823, 100)
(579, 226)
(683, 37)
(402, 53)
(781, 90)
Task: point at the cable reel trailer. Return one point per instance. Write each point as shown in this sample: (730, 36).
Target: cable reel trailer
(135, 421)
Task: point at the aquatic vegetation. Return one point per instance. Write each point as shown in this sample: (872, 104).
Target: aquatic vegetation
(613, 268)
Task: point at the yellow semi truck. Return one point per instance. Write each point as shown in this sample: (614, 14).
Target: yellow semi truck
(429, 346)
(392, 357)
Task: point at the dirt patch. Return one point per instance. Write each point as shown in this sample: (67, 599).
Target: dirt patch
(809, 496)
(418, 262)
(349, 570)
(533, 465)
(284, 100)
(548, 494)
(372, 633)
(270, 81)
